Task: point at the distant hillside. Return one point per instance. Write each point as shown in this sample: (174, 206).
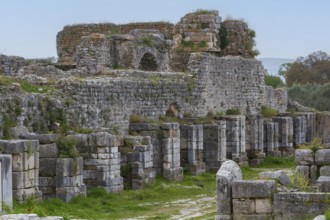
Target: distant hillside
(272, 65)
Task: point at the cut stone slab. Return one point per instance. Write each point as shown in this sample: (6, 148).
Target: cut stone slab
(253, 189)
(322, 157)
(279, 175)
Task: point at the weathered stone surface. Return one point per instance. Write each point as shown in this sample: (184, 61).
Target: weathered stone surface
(323, 184)
(320, 217)
(300, 205)
(323, 127)
(304, 157)
(6, 186)
(48, 151)
(325, 171)
(264, 206)
(42, 138)
(279, 175)
(18, 132)
(271, 137)
(285, 131)
(253, 189)
(322, 157)
(244, 206)
(299, 129)
(228, 172)
(304, 171)
(233, 168)
(252, 216)
(47, 167)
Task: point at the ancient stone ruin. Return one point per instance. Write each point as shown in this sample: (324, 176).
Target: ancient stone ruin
(125, 103)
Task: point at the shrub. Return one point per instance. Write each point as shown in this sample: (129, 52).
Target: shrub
(8, 123)
(137, 118)
(233, 111)
(300, 182)
(314, 145)
(67, 147)
(268, 112)
(273, 81)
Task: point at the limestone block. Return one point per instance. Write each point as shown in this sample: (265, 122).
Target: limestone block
(322, 157)
(224, 178)
(325, 171)
(46, 182)
(299, 129)
(101, 139)
(303, 170)
(253, 189)
(68, 181)
(323, 184)
(47, 167)
(244, 206)
(279, 175)
(233, 168)
(313, 171)
(304, 157)
(6, 195)
(19, 146)
(18, 164)
(285, 131)
(296, 204)
(18, 132)
(69, 166)
(82, 140)
(43, 138)
(48, 151)
(264, 206)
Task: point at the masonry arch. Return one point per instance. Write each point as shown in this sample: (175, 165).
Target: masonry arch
(148, 62)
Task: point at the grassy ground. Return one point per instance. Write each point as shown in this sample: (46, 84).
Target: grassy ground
(195, 195)
(158, 201)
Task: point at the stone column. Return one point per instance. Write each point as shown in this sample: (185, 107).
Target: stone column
(285, 135)
(310, 124)
(47, 171)
(299, 129)
(255, 139)
(6, 184)
(25, 167)
(69, 178)
(191, 144)
(152, 130)
(171, 151)
(139, 160)
(271, 136)
(235, 130)
(101, 161)
(214, 138)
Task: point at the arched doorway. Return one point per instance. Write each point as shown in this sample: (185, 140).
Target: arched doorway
(148, 62)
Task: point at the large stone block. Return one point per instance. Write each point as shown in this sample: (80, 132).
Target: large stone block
(325, 171)
(322, 157)
(323, 184)
(304, 171)
(253, 189)
(264, 206)
(241, 206)
(300, 204)
(69, 166)
(19, 146)
(6, 186)
(42, 138)
(279, 175)
(47, 167)
(48, 151)
(304, 157)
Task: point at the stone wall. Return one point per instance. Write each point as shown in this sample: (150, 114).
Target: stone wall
(237, 39)
(69, 38)
(200, 30)
(139, 49)
(258, 199)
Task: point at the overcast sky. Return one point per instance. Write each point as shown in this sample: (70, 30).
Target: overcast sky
(285, 28)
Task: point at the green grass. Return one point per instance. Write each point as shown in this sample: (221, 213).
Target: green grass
(277, 162)
(269, 163)
(148, 202)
